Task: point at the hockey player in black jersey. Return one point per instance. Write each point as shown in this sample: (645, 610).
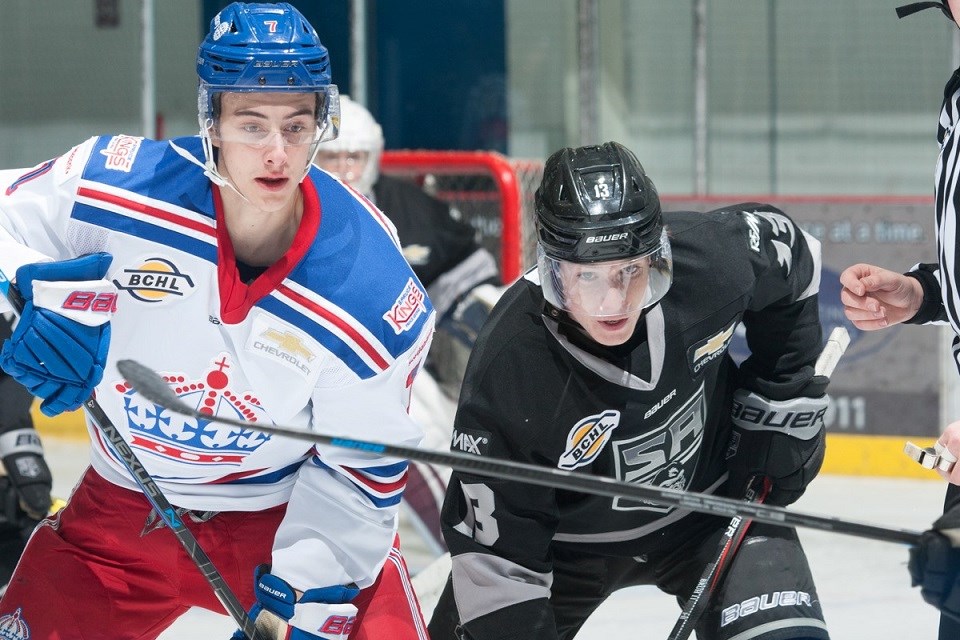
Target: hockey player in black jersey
(611, 359)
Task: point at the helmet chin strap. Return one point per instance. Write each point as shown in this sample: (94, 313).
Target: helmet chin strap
(209, 168)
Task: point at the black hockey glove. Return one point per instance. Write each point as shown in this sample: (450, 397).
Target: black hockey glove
(15, 529)
(21, 450)
(935, 564)
(782, 440)
(22, 456)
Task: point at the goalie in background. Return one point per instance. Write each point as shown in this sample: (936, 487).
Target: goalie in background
(461, 278)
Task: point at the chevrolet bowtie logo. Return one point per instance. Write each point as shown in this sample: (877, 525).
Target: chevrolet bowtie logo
(288, 342)
(714, 344)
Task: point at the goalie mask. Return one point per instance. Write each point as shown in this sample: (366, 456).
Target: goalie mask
(354, 156)
(264, 48)
(602, 249)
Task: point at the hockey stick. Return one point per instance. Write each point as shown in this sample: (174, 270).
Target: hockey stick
(736, 531)
(155, 389)
(148, 486)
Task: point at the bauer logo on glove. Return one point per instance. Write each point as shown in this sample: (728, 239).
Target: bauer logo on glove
(91, 302)
(799, 416)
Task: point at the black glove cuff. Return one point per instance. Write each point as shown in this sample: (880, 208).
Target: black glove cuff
(32, 480)
(931, 309)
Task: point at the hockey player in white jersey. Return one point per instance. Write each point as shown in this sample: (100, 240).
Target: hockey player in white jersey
(260, 288)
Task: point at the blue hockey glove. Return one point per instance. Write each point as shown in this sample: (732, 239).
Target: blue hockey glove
(59, 346)
(318, 614)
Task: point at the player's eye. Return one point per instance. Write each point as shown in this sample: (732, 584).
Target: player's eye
(252, 129)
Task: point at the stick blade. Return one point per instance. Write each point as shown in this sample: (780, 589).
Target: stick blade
(151, 386)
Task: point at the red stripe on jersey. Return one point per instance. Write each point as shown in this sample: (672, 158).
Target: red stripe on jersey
(372, 208)
(146, 209)
(378, 487)
(339, 322)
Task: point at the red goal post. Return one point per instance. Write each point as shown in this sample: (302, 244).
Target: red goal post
(490, 191)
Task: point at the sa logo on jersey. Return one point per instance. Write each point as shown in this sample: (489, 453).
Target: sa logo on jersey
(585, 441)
(155, 280)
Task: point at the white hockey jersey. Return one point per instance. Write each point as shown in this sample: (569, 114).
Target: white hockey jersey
(328, 338)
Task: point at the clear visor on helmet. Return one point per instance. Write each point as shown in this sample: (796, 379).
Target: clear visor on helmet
(610, 289)
(311, 116)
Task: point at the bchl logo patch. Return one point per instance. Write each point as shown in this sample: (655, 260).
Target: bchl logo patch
(121, 151)
(706, 351)
(408, 307)
(470, 441)
(587, 438)
(14, 627)
(155, 280)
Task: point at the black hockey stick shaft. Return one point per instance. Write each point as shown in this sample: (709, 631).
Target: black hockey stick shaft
(757, 490)
(166, 511)
(734, 534)
(155, 389)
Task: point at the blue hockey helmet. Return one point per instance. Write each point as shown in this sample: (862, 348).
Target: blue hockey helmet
(259, 47)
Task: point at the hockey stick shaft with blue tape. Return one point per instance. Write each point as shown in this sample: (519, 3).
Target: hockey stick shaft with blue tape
(153, 387)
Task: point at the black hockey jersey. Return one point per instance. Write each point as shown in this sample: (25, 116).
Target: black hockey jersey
(653, 411)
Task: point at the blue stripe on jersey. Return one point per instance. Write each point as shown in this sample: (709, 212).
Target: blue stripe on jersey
(131, 226)
(385, 471)
(269, 478)
(378, 501)
(321, 334)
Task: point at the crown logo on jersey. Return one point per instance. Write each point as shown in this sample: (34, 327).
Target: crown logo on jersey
(14, 627)
(183, 438)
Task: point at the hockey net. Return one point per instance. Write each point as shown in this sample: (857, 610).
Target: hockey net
(490, 191)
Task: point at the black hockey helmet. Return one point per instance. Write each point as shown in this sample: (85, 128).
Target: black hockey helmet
(597, 208)
(596, 203)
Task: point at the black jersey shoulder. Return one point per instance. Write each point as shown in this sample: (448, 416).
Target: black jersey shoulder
(735, 247)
